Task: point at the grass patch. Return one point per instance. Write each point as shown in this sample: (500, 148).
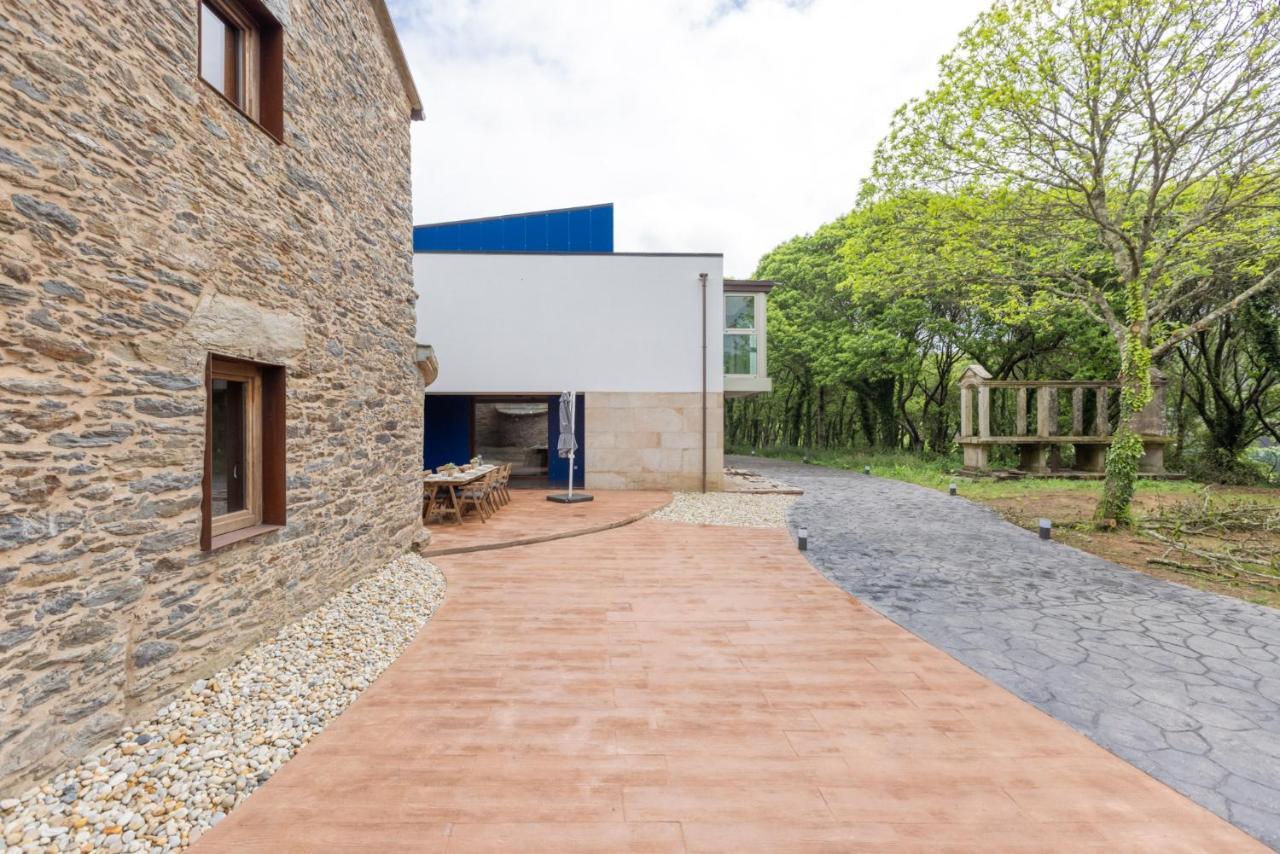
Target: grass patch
(939, 472)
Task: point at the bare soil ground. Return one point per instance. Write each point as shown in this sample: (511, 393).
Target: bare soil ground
(1072, 515)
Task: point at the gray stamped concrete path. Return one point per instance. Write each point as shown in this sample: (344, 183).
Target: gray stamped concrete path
(1181, 683)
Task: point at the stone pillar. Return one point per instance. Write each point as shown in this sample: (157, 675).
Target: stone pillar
(976, 456)
(1045, 412)
(966, 411)
(1101, 424)
(1034, 458)
(1152, 461)
(1021, 428)
(1150, 421)
(984, 412)
(1077, 412)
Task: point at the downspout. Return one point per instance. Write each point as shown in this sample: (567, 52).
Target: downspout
(702, 277)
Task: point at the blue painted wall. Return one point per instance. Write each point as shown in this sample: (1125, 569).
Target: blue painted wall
(587, 229)
(557, 467)
(446, 423)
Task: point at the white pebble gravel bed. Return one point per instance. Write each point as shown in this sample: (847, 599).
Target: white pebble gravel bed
(736, 509)
(167, 780)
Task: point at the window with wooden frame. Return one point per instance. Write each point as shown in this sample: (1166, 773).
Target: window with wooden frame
(244, 451)
(241, 57)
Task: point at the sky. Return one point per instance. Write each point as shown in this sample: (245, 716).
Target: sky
(712, 125)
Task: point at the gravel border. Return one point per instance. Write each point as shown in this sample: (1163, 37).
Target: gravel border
(735, 509)
(167, 780)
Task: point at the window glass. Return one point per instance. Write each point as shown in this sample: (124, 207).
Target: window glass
(739, 311)
(219, 53)
(740, 354)
(228, 492)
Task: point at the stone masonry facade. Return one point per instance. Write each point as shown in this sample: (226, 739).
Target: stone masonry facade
(145, 223)
(652, 440)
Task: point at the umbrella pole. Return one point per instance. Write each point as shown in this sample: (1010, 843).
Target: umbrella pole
(573, 429)
(569, 497)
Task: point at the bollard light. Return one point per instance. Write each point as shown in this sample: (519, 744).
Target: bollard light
(951, 490)
(1046, 529)
(802, 539)
(866, 469)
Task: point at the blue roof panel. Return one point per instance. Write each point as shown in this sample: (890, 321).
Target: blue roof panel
(584, 229)
(535, 233)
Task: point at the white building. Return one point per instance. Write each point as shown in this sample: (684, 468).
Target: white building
(521, 308)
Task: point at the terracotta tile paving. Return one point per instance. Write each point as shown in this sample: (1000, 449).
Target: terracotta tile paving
(663, 687)
(530, 517)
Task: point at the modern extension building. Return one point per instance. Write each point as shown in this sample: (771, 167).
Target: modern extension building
(209, 411)
(520, 308)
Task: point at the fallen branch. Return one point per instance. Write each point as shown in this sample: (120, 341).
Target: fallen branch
(1217, 571)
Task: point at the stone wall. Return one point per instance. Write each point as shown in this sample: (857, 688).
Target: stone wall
(652, 440)
(144, 223)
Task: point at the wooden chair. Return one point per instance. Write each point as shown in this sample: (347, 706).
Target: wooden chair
(501, 492)
(429, 499)
(494, 482)
(479, 495)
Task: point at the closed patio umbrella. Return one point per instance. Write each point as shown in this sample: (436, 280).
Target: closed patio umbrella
(567, 447)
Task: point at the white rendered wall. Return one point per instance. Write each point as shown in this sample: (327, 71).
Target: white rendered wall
(542, 323)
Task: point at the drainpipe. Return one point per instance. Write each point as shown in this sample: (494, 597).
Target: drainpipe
(702, 277)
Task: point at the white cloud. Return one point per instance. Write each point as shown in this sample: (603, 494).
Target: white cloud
(713, 125)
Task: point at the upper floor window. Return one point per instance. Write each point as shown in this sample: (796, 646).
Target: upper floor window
(741, 342)
(242, 57)
(222, 53)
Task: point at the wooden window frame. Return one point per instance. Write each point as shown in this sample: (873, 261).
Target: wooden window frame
(252, 512)
(264, 453)
(260, 62)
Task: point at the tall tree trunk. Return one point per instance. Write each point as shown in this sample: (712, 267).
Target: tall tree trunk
(1126, 445)
(866, 416)
(819, 436)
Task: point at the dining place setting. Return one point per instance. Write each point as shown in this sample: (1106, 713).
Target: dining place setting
(451, 492)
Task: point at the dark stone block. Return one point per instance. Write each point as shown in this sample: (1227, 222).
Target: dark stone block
(188, 285)
(164, 407)
(112, 435)
(43, 319)
(165, 542)
(58, 348)
(59, 288)
(46, 212)
(9, 295)
(25, 86)
(134, 284)
(12, 158)
(34, 387)
(165, 482)
(165, 380)
(150, 652)
(45, 687)
(115, 593)
(11, 638)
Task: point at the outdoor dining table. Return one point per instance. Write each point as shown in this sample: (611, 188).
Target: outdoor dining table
(448, 485)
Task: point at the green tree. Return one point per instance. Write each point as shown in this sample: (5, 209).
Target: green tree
(1125, 140)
